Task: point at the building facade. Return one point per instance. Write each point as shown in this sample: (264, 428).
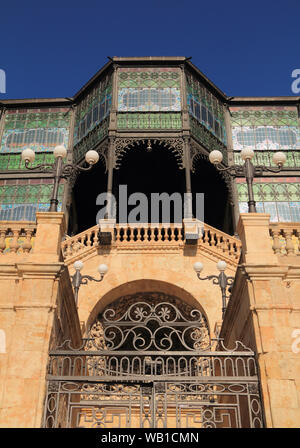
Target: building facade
(148, 345)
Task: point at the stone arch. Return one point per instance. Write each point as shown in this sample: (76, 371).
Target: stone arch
(144, 286)
(123, 145)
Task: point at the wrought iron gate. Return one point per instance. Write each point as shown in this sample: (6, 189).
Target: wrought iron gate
(152, 366)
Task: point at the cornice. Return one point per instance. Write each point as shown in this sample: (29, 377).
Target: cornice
(267, 272)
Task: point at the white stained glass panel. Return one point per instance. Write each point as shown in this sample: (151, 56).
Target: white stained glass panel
(266, 137)
(149, 99)
(243, 207)
(260, 207)
(279, 211)
(284, 213)
(270, 207)
(295, 211)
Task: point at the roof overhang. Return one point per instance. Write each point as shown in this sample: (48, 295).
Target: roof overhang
(152, 61)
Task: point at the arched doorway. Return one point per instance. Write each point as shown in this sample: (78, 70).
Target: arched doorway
(148, 361)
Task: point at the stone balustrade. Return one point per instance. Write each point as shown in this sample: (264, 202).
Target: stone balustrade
(80, 243)
(145, 235)
(220, 241)
(16, 236)
(148, 233)
(285, 238)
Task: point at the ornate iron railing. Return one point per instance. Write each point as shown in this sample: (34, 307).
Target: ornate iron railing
(152, 365)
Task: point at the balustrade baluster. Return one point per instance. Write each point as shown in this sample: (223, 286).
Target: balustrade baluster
(297, 235)
(172, 233)
(14, 244)
(276, 241)
(207, 236)
(218, 241)
(2, 240)
(27, 246)
(89, 236)
(149, 234)
(289, 243)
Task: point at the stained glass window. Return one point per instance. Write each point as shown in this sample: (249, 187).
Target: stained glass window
(149, 89)
(268, 128)
(39, 129)
(141, 120)
(205, 108)
(280, 197)
(93, 108)
(279, 211)
(10, 162)
(21, 200)
(265, 157)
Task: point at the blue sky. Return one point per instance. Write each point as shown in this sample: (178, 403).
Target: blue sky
(245, 48)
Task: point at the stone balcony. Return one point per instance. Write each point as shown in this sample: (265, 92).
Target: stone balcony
(149, 237)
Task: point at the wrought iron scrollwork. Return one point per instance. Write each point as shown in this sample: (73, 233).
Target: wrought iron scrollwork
(122, 145)
(147, 361)
(145, 326)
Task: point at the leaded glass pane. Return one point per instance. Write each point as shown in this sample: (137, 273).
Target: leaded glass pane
(295, 211)
(149, 90)
(145, 120)
(20, 202)
(279, 211)
(271, 128)
(243, 207)
(93, 109)
(284, 213)
(260, 207)
(205, 108)
(39, 129)
(270, 207)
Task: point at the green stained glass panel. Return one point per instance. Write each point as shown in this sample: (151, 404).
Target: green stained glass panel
(149, 120)
(242, 192)
(269, 192)
(93, 109)
(40, 130)
(33, 193)
(149, 89)
(20, 202)
(45, 192)
(268, 128)
(12, 162)
(293, 192)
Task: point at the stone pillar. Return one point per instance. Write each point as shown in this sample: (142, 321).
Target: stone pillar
(35, 292)
(253, 230)
(264, 313)
(51, 227)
